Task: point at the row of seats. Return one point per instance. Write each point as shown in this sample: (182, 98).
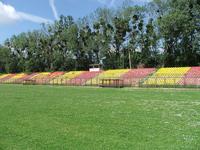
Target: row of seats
(192, 77)
(5, 77)
(109, 74)
(135, 76)
(66, 77)
(15, 77)
(146, 76)
(175, 76)
(85, 78)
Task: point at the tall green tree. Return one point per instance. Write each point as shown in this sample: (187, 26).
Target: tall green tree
(121, 26)
(179, 28)
(4, 59)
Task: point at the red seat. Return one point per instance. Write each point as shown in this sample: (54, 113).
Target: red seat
(192, 77)
(84, 77)
(135, 75)
(9, 76)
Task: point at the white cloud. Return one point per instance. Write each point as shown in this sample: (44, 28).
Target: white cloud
(33, 18)
(54, 10)
(8, 14)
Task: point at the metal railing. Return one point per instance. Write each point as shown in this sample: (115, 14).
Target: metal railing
(193, 82)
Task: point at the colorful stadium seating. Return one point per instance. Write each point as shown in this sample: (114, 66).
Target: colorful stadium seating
(114, 73)
(41, 78)
(167, 76)
(55, 75)
(134, 76)
(41, 75)
(45, 77)
(84, 77)
(181, 76)
(27, 77)
(16, 78)
(110, 74)
(66, 78)
(192, 77)
(4, 78)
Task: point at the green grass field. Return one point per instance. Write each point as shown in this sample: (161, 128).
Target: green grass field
(50, 118)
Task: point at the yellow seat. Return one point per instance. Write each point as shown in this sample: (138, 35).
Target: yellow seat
(66, 77)
(110, 74)
(4, 75)
(167, 76)
(41, 75)
(16, 77)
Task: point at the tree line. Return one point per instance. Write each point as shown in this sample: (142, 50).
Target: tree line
(161, 33)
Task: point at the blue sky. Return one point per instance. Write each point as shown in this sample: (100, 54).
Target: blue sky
(18, 16)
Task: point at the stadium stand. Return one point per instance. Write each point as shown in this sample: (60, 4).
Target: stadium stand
(110, 74)
(192, 77)
(41, 78)
(66, 78)
(27, 77)
(16, 78)
(5, 77)
(41, 75)
(178, 76)
(55, 75)
(45, 77)
(167, 76)
(134, 76)
(84, 77)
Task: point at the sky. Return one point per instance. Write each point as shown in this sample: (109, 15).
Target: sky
(18, 16)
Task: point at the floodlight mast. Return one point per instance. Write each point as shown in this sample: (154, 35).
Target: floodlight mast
(129, 57)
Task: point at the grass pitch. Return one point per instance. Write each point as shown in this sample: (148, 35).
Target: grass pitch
(44, 117)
